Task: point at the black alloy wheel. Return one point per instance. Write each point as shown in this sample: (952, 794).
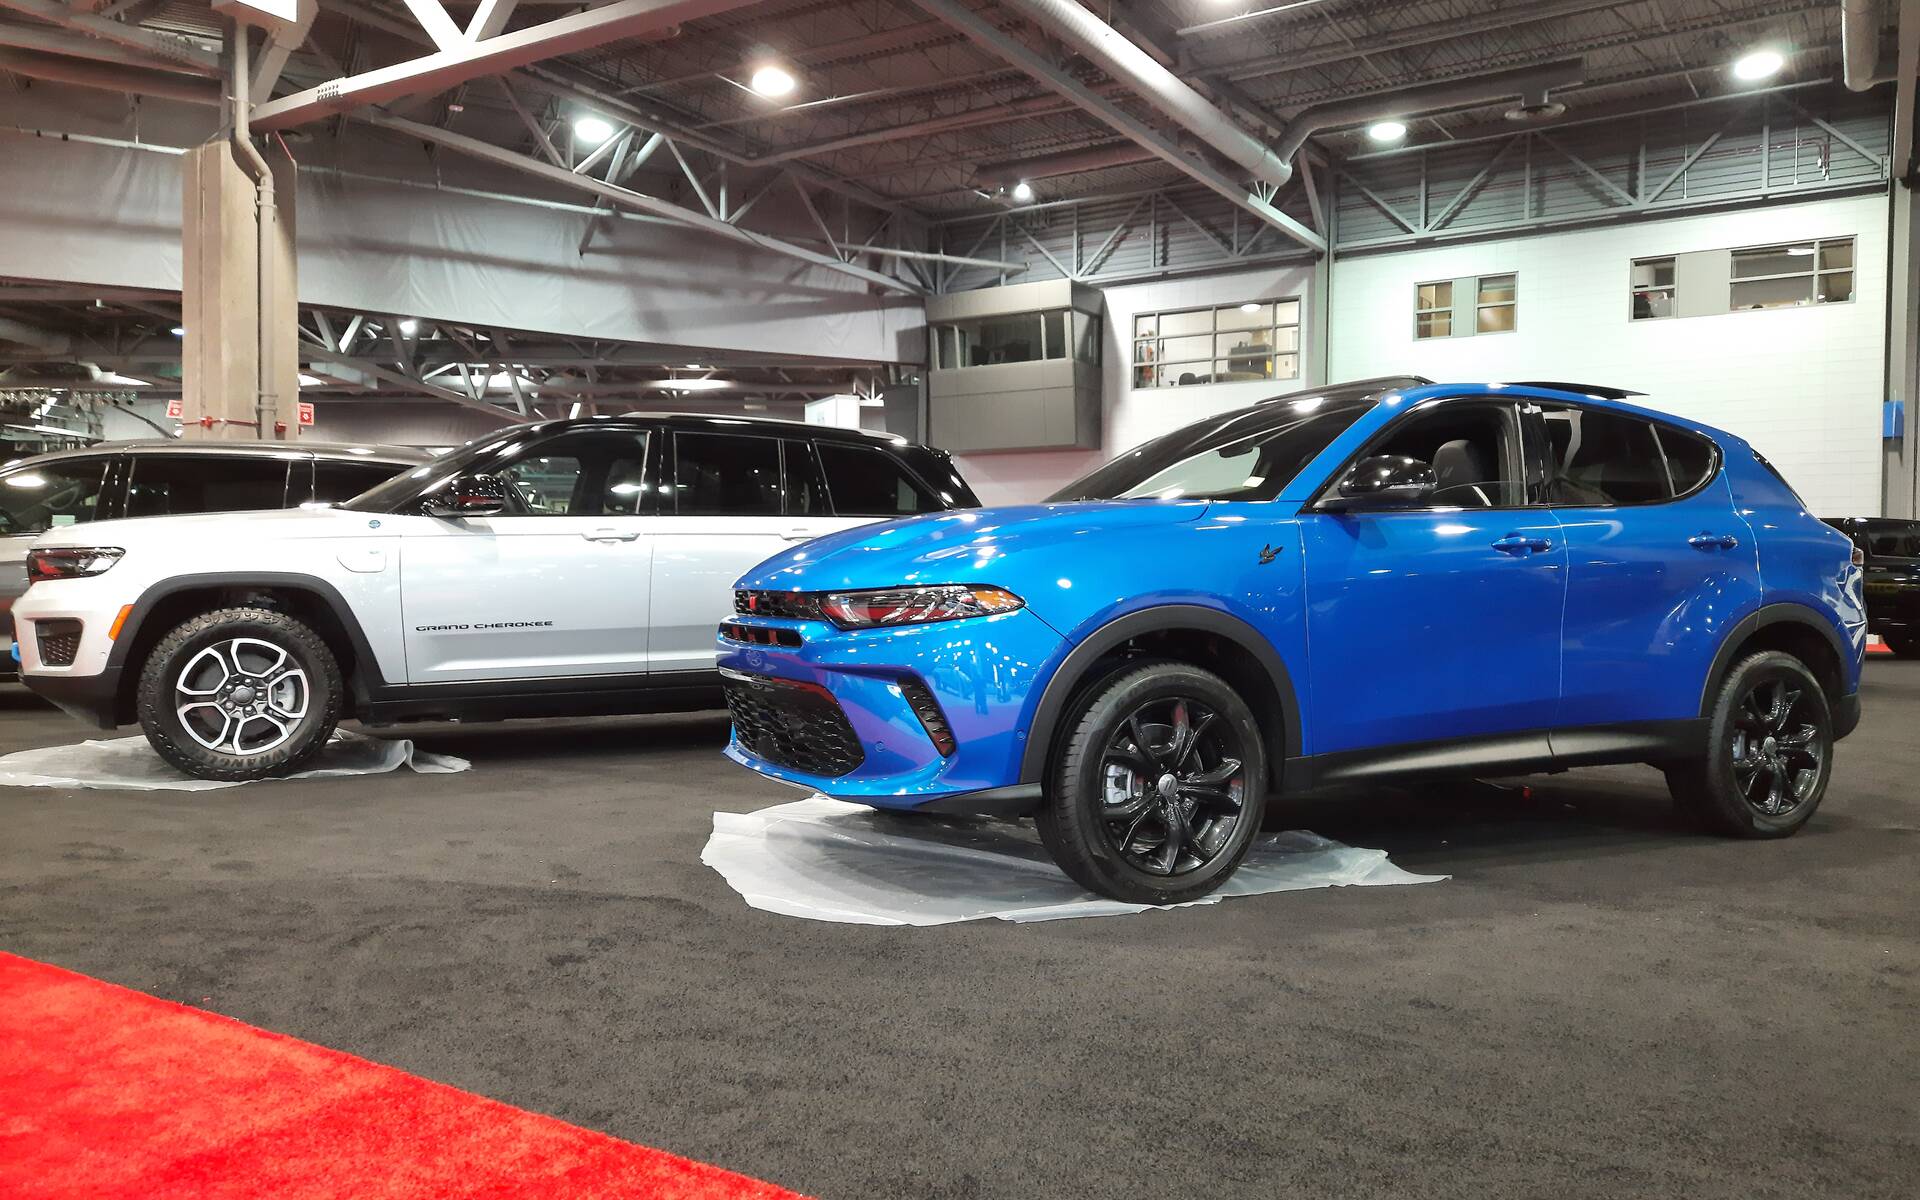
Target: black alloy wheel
(1778, 755)
(1158, 784)
(1173, 786)
(1768, 754)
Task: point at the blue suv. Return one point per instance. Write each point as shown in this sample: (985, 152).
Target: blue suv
(1385, 578)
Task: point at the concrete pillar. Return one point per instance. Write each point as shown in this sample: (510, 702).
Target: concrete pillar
(1902, 466)
(219, 296)
(240, 366)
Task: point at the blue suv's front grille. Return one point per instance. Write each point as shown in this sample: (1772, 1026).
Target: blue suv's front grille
(790, 724)
(795, 606)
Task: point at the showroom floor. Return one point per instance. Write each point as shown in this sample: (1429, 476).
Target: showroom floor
(1598, 1003)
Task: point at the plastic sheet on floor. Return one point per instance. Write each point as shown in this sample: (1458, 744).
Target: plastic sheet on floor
(829, 861)
(130, 764)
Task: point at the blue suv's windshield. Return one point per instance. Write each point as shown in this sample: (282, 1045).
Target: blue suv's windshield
(1246, 455)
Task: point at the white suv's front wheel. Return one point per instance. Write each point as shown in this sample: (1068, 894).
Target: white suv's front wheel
(240, 693)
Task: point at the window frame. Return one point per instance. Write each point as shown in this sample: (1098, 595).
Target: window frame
(1212, 334)
(671, 470)
(1533, 417)
(1517, 459)
(1671, 290)
(1813, 275)
(1481, 304)
(1436, 310)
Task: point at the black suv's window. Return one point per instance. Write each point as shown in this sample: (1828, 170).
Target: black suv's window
(334, 482)
(865, 482)
(1885, 539)
(1472, 451)
(719, 474)
(34, 499)
(171, 485)
(1600, 459)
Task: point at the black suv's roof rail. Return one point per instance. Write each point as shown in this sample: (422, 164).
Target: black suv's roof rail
(1589, 389)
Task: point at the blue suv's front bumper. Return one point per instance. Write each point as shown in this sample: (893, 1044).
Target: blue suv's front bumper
(983, 673)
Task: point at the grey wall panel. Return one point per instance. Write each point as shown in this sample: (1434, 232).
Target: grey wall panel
(1700, 281)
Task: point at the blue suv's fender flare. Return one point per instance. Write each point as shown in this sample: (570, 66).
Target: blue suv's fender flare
(1075, 669)
(1753, 622)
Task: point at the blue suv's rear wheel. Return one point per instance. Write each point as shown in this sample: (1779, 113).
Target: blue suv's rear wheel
(1159, 787)
(1769, 751)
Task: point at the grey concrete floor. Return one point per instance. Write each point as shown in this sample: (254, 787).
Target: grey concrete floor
(1599, 1003)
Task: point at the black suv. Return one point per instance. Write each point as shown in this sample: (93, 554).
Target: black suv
(1892, 550)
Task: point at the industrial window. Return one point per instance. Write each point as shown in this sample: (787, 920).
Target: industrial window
(1792, 274)
(1229, 343)
(990, 341)
(1433, 310)
(1652, 288)
(1498, 303)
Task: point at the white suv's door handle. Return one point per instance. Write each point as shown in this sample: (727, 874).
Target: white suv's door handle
(798, 535)
(611, 535)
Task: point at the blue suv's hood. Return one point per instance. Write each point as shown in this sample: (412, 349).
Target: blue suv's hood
(981, 545)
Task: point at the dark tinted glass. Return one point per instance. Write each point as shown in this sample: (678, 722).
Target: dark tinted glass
(1689, 458)
(718, 474)
(334, 482)
(937, 469)
(1248, 455)
(623, 484)
(170, 485)
(1892, 539)
(1602, 458)
(806, 490)
(1468, 447)
(34, 499)
(865, 482)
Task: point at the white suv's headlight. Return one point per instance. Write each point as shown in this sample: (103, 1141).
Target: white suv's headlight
(70, 562)
(915, 605)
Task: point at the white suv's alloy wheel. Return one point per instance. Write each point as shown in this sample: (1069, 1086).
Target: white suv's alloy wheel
(241, 696)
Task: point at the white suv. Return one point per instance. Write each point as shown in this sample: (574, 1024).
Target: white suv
(565, 567)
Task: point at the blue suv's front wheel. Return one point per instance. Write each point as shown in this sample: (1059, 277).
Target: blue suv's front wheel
(1158, 788)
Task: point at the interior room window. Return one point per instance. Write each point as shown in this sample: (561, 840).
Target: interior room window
(990, 341)
(1498, 304)
(1433, 310)
(1469, 447)
(718, 474)
(1792, 274)
(865, 482)
(1053, 330)
(1602, 458)
(1087, 337)
(36, 499)
(166, 485)
(1652, 288)
(1229, 343)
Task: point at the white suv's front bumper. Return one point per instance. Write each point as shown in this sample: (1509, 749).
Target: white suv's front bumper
(86, 686)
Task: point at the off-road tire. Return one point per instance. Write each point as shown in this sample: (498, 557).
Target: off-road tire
(1709, 790)
(155, 695)
(1069, 820)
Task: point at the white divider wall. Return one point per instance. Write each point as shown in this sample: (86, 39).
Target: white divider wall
(1804, 385)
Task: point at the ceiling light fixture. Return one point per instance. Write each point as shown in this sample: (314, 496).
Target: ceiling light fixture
(310, 380)
(1023, 191)
(409, 327)
(1386, 131)
(590, 130)
(697, 385)
(1756, 65)
(179, 331)
(773, 81)
(1249, 307)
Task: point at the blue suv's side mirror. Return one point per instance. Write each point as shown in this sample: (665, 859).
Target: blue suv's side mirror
(1383, 481)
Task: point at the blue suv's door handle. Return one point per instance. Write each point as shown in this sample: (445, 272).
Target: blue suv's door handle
(1519, 543)
(1713, 541)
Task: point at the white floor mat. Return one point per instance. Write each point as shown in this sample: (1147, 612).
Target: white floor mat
(131, 764)
(828, 861)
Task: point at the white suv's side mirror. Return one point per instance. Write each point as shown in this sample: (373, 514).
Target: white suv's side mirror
(468, 496)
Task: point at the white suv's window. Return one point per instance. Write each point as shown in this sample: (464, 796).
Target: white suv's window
(591, 472)
(36, 499)
(719, 474)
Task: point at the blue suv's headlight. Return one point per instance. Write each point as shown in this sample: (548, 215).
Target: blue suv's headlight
(915, 605)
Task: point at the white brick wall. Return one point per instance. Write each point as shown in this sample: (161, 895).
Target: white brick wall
(1803, 385)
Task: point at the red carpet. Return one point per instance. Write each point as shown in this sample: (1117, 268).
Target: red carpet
(106, 1092)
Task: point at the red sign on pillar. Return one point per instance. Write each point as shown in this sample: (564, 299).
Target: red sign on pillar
(176, 409)
(306, 412)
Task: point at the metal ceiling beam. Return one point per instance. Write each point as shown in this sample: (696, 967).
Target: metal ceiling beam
(465, 60)
(60, 41)
(627, 198)
(178, 53)
(989, 37)
(81, 73)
